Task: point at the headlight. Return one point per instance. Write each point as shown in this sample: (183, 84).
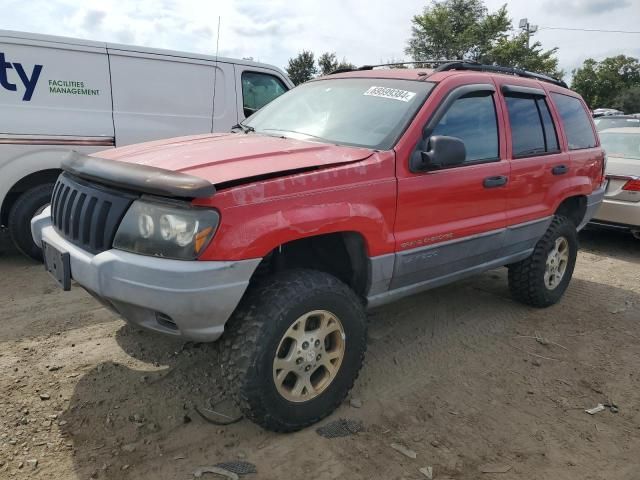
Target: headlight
(166, 229)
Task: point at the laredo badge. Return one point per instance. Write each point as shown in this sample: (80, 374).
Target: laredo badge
(393, 93)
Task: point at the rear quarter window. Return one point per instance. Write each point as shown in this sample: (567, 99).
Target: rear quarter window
(575, 120)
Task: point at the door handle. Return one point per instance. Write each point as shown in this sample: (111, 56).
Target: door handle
(559, 169)
(492, 182)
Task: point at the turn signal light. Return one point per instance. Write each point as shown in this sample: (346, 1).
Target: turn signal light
(632, 185)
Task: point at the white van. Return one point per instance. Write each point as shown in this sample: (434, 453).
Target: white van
(59, 94)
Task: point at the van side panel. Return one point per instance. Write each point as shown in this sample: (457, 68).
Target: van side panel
(53, 89)
(225, 114)
(156, 96)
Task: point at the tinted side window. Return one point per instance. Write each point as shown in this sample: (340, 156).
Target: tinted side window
(473, 120)
(258, 89)
(527, 135)
(576, 122)
(532, 129)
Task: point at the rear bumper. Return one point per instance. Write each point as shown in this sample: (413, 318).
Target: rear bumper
(620, 213)
(593, 204)
(189, 299)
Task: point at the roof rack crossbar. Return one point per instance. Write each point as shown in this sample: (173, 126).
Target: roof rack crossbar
(412, 62)
(465, 65)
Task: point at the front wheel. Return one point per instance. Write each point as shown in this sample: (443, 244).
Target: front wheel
(27, 205)
(541, 279)
(294, 348)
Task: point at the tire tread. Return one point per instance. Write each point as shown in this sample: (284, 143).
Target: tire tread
(241, 342)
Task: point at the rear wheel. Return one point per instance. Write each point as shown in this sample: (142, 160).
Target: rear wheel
(294, 348)
(26, 206)
(541, 279)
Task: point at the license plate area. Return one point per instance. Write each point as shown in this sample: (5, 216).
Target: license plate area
(58, 264)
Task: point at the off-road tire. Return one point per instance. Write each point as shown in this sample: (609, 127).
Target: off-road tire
(20, 215)
(526, 278)
(253, 333)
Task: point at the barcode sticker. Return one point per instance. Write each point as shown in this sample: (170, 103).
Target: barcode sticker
(392, 93)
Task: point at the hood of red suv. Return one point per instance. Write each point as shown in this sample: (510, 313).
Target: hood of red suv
(222, 158)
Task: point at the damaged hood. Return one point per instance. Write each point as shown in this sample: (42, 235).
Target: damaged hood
(221, 158)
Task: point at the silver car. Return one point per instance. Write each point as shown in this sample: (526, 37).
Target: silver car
(621, 206)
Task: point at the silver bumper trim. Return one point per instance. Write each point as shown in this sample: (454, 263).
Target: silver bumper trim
(197, 297)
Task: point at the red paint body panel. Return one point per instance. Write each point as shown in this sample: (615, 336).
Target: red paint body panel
(222, 158)
(256, 218)
(366, 191)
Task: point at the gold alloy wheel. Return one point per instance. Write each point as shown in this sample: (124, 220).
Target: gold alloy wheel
(309, 356)
(557, 262)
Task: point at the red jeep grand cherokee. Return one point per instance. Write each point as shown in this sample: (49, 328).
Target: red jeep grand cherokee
(348, 192)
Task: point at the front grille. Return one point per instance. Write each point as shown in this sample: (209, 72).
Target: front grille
(87, 214)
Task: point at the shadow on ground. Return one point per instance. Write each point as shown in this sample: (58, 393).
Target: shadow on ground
(613, 243)
(453, 364)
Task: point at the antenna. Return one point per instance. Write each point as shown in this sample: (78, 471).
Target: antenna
(215, 76)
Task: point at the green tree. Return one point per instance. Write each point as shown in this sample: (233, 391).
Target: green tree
(629, 100)
(346, 65)
(465, 30)
(600, 83)
(456, 29)
(328, 62)
(302, 68)
(516, 52)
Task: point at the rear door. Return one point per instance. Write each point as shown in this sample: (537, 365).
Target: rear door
(537, 161)
(452, 220)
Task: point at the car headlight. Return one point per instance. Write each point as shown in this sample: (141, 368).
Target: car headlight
(166, 229)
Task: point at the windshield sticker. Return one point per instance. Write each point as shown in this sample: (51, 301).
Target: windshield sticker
(393, 93)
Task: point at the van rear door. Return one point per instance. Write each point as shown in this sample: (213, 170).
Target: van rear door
(54, 92)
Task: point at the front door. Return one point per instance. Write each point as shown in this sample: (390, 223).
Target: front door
(452, 220)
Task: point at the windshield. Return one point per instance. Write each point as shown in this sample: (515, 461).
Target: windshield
(621, 144)
(364, 112)
(616, 122)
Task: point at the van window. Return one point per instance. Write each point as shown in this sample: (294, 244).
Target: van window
(258, 89)
(576, 122)
(473, 120)
(532, 130)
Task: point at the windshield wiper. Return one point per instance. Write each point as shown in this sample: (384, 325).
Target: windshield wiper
(243, 127)
(293, 131)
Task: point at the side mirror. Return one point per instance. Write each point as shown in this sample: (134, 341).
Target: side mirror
(443, 152)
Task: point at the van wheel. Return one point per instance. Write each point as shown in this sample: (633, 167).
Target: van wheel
(294, 348)
(26, 206)
(541, 279)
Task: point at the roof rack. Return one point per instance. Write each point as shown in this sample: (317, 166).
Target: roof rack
(371, 67)
(466, 65)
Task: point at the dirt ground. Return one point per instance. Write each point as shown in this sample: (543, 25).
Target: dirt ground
(456, 375)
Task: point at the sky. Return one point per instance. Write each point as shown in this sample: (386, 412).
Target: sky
(272, 31)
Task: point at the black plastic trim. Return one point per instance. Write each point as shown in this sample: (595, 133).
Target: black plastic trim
(519, 90)
(462, 65)
(138, 178)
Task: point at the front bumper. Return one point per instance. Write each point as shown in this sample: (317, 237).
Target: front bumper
(190, 299)
(593, 203)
